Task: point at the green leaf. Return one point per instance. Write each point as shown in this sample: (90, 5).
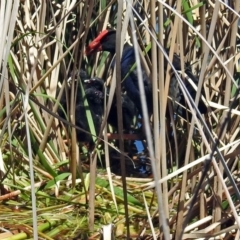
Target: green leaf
(52, 182)
(118, 192)
(187, 11)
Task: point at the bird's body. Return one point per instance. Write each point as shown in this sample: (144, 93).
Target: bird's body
(128, 108)
(94, 93)
(93, 89)
(130, 83)
(95, 105)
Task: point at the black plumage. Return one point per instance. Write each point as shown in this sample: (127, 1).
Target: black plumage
(93, 89)
(94, 83)
(128, 107)
(81, 117)
(94, 93)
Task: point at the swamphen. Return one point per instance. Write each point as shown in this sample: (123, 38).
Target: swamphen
(94, 94)
(106, 41)
(128, 107)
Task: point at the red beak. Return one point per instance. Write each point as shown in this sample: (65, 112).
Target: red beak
(95, 45)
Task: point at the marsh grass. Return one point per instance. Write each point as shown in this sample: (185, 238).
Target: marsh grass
(48, 190)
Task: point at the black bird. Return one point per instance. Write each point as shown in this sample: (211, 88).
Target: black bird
(128, 107)
(106, 41)
(95, 105)
(93, 89)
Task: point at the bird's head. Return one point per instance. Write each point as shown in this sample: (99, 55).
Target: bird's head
(105, 41)
(94, 83)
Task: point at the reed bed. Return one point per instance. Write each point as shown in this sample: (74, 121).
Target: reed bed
(51, 188)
